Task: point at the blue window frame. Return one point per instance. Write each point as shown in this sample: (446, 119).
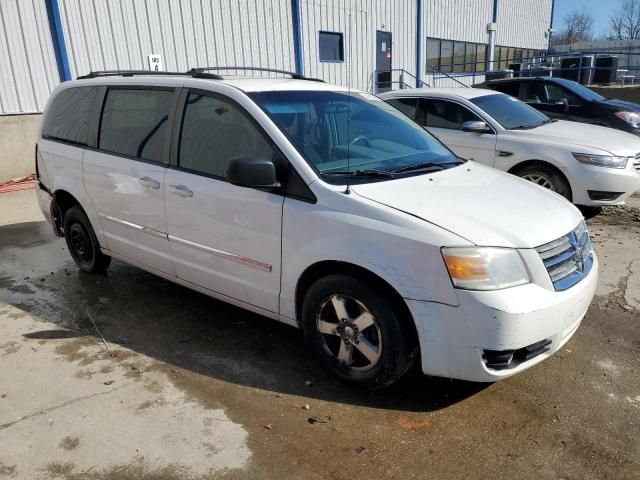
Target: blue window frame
(331, 47)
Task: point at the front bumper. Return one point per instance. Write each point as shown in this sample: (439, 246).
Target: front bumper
(454, 339)
(585, 178)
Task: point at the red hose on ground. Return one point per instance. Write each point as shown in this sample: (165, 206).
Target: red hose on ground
(23, 183)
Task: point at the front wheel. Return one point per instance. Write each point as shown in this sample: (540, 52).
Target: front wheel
(546, 177)
(355, 332)
(82, 242)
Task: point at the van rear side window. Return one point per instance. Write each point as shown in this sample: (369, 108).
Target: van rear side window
(69, 116)
(134, 122)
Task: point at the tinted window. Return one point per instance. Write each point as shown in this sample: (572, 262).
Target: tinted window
(557, 94)
(510, 112)
(512, 89)
(331, 47)
(534, 93)
(458, 56)
(213, 132)
(433, 53)
(135, 123)
(69, 116)
(444, 114)
(405, 105)
(337, 132)
(580, 90)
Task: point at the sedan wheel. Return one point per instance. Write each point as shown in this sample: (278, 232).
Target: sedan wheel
(541, 180)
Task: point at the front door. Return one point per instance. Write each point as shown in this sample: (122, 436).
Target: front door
(444, 120)
(224, 238)
(125, 177)
(383, 61)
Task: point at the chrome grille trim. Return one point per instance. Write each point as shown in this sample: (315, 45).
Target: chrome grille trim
(568, 259)
(636, 162)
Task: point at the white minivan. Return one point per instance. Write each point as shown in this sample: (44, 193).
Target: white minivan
(590, 165)
(324, 208)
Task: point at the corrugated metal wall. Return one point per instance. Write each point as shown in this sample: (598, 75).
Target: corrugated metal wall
(523, 23)
(120, 34)
(358, 21)
(463, 20)
(28, 69)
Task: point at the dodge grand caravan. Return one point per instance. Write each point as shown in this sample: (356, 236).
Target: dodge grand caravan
(324, 208)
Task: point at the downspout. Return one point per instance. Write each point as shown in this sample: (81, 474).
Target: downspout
(553, 5)
(57, 37)
(419, 46)
(492, 35)
(297, 35)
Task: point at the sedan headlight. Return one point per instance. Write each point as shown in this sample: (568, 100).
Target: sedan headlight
(632, 118)
(485, 268)
(609, 161)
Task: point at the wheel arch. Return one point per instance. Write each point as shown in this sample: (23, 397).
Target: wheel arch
(535, 162)
(62, 201)
(321, 269)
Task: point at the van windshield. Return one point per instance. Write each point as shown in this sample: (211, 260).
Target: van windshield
(356, 135)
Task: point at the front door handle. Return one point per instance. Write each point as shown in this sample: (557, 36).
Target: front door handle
(149, 182)
(181, 191)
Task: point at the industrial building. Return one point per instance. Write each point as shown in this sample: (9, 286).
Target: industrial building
(368, 44)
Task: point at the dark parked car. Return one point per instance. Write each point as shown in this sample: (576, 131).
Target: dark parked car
(568, 100)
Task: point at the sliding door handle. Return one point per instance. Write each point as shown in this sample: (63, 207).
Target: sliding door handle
(181, 191)
(149, 182)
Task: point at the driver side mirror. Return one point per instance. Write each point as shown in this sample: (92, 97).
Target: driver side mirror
(565, 105)
(252, 172)
(476, 127)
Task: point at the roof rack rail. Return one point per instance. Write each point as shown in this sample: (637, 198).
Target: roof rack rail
(132, 73)
(202, 72)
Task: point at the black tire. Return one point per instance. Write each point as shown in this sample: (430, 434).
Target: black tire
(388, 336)
(589, 211)
(82, 242)
(547, 177)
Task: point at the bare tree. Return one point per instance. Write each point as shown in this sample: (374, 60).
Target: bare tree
(625, 22)
(578, 27)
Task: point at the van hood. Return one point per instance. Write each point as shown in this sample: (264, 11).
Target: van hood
(485, 206)
(607, 140)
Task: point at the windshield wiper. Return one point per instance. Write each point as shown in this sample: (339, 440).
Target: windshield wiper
(371, 173)
(426, 166)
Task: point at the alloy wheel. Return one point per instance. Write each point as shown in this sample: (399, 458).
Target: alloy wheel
(349, 332)
(541, 180)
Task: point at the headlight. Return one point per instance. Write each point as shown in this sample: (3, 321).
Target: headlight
(632, 118)
(485, 268)
(602, 160)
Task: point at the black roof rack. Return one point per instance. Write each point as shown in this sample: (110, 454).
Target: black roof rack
(200, 72)
(132, 73)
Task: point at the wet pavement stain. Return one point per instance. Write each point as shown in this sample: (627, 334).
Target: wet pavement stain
(554, 421)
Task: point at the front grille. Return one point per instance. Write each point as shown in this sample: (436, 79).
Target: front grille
(636, 162)
(503, 359)
(568, 259)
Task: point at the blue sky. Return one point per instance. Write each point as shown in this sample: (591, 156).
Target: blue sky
(599, 9)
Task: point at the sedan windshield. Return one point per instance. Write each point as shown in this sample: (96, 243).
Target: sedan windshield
(354, 135)
(580, 90)
(510, 112)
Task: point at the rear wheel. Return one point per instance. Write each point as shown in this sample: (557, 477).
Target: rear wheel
(82, 242)
(355, 332)
(546, 177)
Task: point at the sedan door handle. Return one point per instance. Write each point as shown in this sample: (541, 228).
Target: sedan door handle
(180, 190)
(149, 182)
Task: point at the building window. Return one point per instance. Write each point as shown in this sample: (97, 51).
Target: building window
(458, 57)
(331, 47)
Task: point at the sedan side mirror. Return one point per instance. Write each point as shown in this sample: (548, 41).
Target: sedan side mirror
(254, 172)
(565, 105)
(476, 127)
